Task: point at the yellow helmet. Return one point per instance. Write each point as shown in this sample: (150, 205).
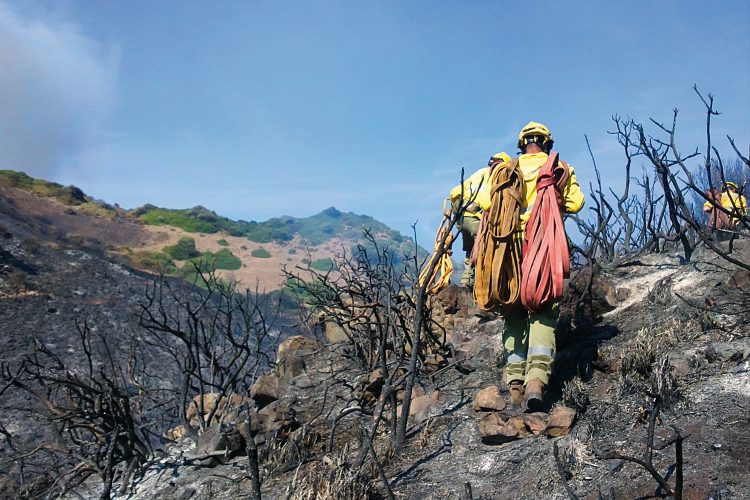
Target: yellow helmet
(499, 157)
(534, 130)
(730, 184)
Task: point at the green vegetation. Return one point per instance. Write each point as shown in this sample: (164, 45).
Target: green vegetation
(156, 262)
(196, 220)
(261, 253)
(189, 272)
(67, 195)
(292, 251)
(295, 290)
(193, 220)
(223, 242)
(223, 259)
(312, 230)
(325, 264)
(184, 249)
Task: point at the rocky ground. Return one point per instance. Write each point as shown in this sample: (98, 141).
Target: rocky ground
(680, 330)
(656, 326)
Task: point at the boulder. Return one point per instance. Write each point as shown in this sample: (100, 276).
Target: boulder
(535, 422)
(256, 423)
(451, 306)
(227, 411)
(275, 418)
(560, 421)
(373, 386)
(265, 390)
(334, 333)
(726, 351)
(680, 364)
(416, 392)
(599, 292)
(450, 298)
(218, 441)
(495, 429)
(434, 362)
(291, 354)
(421, 407)
(177, 433)
(740, 279)
(489, 399)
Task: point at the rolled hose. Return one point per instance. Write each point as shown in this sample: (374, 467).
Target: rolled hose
(546, 257)
(441, 273)
(497, 251)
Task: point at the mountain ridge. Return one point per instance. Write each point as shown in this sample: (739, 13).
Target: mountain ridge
(247, 252)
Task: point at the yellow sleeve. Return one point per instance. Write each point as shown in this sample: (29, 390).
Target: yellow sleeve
(471, 184)
(734, 203)
(708, 206)
(455, 193)
(572, 195)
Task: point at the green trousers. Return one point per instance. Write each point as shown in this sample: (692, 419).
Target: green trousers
(529, 342)
(469, 227)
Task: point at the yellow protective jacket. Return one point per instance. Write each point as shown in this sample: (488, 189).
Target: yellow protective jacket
(478, 183)
(735, 203)
(530, 165)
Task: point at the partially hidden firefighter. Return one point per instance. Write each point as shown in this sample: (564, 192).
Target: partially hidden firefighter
(530, 322)
(474, 197)
(732, 200)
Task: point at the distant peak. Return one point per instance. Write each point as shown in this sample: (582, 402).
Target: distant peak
(331, 212)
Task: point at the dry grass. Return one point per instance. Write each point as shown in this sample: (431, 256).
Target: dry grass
(425, 436)
(575, 394)
(664, 384)
(575, 453)
(328, 479)
(299, 446)
(649, 345)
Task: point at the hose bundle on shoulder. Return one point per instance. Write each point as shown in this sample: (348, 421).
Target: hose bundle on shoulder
(497, 251)
(546, 257)
(717, 218)
(441, 272)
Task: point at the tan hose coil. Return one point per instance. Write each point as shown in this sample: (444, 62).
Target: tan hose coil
(497, 252)
(441, 274)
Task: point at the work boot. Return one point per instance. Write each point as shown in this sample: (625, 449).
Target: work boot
(533, 397)
(516, 392)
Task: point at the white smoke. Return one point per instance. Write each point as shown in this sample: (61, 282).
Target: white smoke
(56, 87)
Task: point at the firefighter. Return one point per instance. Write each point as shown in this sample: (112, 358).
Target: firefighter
(529, 337)
(733, 201)
(476, 199)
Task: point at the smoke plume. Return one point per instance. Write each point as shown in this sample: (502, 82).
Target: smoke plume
(56, 87)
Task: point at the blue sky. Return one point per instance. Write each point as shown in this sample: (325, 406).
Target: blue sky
(264, 108)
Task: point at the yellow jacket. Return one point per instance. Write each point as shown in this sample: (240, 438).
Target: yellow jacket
(530, 165)
(478, 183)
(732, 202)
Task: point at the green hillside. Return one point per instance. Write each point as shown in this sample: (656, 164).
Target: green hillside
(314, 230)
(68, 195)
